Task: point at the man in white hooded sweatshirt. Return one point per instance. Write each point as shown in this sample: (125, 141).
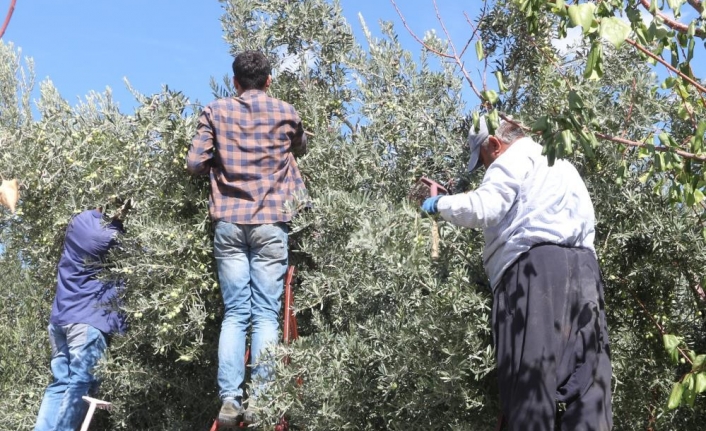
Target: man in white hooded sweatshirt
(548, 318)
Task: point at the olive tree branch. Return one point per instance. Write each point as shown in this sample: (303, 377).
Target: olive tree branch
(346, 121)
(673, 23)
(699, 87)
(457, 59)
(473, 35)
(414, 35)
(682, 153)
(654, 56)
(456, 56)
(616, 139)
(681, 28)
(658, 326)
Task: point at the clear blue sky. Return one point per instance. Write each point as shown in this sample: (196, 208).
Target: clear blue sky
(84, 45)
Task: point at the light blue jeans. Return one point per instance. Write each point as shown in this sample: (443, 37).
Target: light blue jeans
(75, 352)
(252, 262)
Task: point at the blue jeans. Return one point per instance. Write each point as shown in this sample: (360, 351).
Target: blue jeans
(252, 262)
(75, 351)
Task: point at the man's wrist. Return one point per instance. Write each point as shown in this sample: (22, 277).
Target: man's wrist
(430, 205)
(436, 203)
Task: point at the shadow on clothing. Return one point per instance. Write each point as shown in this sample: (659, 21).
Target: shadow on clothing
(552, 344)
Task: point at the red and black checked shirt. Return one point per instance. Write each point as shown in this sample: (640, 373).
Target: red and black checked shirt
(247, 144)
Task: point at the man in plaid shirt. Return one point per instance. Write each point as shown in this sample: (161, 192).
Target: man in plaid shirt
(246, 144)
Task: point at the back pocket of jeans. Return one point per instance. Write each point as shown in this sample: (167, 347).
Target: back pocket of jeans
(271, 239)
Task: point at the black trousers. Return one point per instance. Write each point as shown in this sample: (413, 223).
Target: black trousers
(551, 342)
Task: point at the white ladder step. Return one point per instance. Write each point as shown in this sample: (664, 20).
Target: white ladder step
(93, 404)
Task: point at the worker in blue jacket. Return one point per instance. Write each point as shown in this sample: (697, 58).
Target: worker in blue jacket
(83, 317)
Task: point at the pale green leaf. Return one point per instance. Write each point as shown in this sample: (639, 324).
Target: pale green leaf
(698, 141)
(493, 121)
(675, 396)
(684, 112)
(559, 7)
(697, 361)
(540, 124)
(501, 84)
(566, 141)
(614, 30)
(700, 383)
(676, 6)
(582, 14)
(669, 82)
(689, 395)
(664, 139)
(575, 100)
(670, 342)
(490, 95)
(594, 63)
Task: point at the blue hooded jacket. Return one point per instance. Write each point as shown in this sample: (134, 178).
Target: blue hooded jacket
(80, 296)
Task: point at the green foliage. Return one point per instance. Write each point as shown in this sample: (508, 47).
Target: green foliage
(396, 341)
(390, 339)
(23, 345)
(614, 30)
(14, 94)
(650, 256)
(622, 22)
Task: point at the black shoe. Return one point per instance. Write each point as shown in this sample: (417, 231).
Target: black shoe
(231, 413)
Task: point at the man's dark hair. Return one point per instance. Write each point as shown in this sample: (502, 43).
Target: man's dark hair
(251, 69)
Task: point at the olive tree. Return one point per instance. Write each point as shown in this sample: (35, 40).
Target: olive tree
(389, 337)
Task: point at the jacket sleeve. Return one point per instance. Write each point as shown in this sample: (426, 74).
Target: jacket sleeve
(488, 204)
(200, 155)
(110, 235)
